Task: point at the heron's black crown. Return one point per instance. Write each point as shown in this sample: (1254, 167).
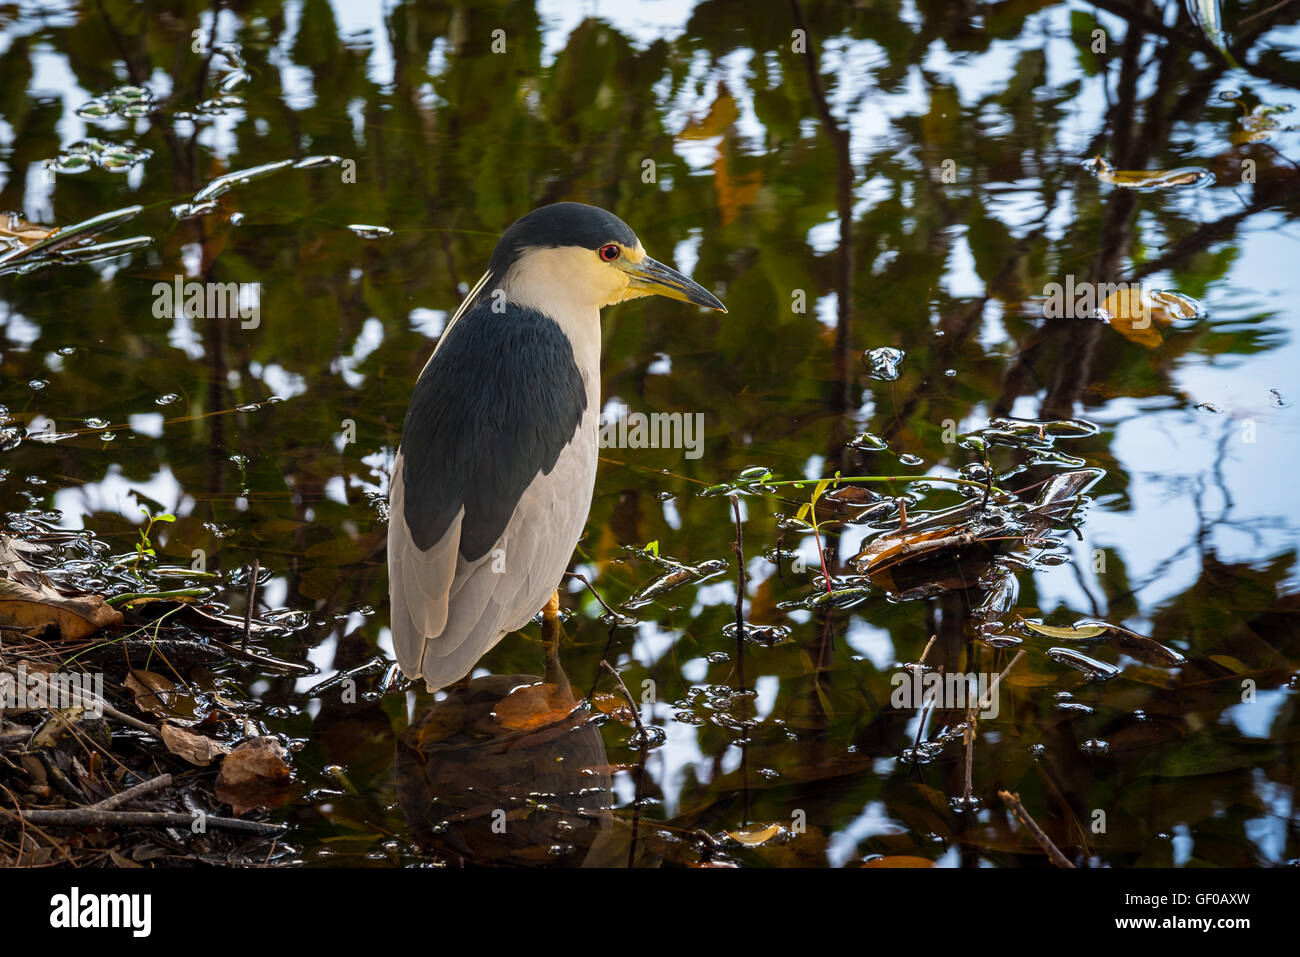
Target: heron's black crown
(560, 224)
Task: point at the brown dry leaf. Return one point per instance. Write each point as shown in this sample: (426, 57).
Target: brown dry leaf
(194, 748)
(34, 609)
(534, 706)
(15, 230)
(254, 775)
(899, 860)
(153, 693)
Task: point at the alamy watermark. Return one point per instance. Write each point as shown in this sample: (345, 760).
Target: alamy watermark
(25, 691)
(955, 690)
(621, 429)
(1086, 300)
(209, 300)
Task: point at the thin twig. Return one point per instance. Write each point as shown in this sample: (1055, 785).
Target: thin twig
(925, 712)
(248, 608)
(631, 702)
(741, 583)
(1013, 801)
(131, 793)
(592, 588)
(89, 817)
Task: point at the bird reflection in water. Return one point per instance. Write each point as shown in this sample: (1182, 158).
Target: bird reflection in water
(511, 769)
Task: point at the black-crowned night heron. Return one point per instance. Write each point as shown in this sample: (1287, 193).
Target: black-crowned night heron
(497, 465)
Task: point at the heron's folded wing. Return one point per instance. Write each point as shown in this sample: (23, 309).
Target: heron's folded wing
(499, 401)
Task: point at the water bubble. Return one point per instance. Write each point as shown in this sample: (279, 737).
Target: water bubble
(236, 219)
(183, 211)
(907, 458)
(867, 442)
(95, 423)
(71, 164)
(950, 373)
(1081, 662)
(37, 384)
(316, 162)
(370, 232)
(1074, 707)
(125, 101)
(1001, 641)
(233, 81)
(1052, 559)
(219, 105)
(167, 398)
(766, 635)
(883, 363)
(1208, 407)
(1095, 746)
(94, 109)
(118, 159)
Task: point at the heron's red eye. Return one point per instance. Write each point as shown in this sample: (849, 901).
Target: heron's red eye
(609, 252)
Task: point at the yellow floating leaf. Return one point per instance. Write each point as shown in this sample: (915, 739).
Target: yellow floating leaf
(1148, 180)
(1080, 633)
(755, 834)
(1235, 665)
(1139, 314)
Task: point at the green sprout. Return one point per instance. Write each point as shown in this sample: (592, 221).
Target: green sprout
(144, 547)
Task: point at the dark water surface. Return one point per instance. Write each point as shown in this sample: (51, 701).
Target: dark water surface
(914, 180)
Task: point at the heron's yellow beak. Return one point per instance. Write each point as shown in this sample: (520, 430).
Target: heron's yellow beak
(652, 278)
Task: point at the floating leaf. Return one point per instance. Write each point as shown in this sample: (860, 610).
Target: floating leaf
(1081, 633)
(1139, 314)
(30, 604)
(755, 834)
(254, 775)
(1147, 180)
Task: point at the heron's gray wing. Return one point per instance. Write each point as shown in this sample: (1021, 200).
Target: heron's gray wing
(497, 404)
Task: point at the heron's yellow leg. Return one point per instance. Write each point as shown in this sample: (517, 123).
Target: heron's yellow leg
(551, 626)
(551, 633)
